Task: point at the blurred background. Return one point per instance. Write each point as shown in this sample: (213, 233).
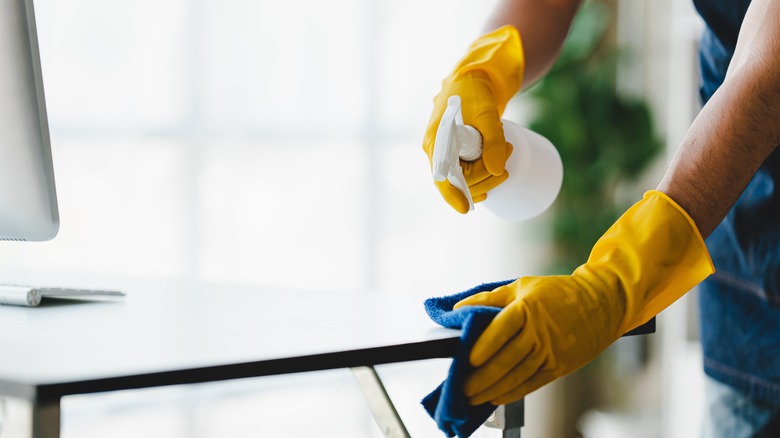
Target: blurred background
(278, 144)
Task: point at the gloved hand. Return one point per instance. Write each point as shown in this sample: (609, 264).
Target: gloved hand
(485, 79)
(551, 326)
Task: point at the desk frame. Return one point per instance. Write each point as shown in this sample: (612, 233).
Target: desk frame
(29, 416)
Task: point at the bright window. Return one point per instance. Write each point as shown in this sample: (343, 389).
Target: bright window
(274, 143)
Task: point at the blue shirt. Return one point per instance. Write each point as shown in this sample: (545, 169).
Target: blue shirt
(740, 303)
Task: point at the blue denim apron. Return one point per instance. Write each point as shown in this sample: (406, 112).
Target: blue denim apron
(740, 303)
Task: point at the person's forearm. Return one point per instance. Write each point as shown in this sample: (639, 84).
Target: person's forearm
(543, 26)
(738, 128)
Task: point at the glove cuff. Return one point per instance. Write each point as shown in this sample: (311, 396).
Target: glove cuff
(688, 218)
(499, 55)
(656, 254)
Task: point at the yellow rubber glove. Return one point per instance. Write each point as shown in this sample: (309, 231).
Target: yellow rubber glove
(551, 326)
(485, 79)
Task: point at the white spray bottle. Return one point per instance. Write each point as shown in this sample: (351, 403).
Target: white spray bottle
(535, 169)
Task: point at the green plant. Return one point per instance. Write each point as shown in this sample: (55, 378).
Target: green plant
(604, 138)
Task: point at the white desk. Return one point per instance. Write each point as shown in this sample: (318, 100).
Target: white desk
(170, 333)
(167, 334)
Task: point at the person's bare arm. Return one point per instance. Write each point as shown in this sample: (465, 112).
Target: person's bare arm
(543, 26)
(736, 130)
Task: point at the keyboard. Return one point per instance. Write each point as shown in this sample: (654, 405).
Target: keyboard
(31, 296)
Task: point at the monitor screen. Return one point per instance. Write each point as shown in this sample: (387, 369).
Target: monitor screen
(28, 203)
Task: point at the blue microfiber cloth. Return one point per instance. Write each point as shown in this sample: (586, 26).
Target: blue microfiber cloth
(447, 404)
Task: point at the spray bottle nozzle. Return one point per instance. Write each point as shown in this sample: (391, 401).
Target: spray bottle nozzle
(454, 141)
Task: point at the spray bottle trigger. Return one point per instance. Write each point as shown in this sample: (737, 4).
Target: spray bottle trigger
(447, 148)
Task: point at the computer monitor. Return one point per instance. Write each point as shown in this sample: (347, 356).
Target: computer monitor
(28, 201)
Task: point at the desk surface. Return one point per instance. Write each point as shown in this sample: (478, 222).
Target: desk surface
(173, 334)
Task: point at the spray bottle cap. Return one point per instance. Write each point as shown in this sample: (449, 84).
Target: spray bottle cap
(454, 141)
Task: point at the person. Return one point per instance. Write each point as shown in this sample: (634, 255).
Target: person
(722, 184)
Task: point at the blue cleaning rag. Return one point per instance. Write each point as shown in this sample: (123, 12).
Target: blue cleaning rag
(447, 404)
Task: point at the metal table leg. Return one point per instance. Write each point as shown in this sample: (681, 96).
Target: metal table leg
(379, 402)
(509, 418)
(23, 418)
